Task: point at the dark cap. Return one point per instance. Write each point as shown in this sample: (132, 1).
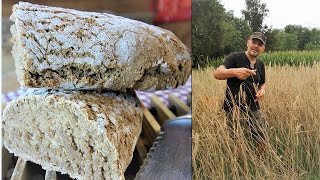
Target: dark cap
(260, 36)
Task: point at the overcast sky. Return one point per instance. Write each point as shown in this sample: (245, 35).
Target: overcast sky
(283, 12)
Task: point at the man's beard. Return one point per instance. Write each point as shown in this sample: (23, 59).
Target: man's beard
(254, 54)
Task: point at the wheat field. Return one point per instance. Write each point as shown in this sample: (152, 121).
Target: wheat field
(292, 109)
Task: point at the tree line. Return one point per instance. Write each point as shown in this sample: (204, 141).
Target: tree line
(217, 32)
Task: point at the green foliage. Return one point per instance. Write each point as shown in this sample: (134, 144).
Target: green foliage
(236, 33)
(215, 32)
(207, 29)
(232, 38)
(303, 34)
(308, 39)
(293, 28)
(271, 39)
(255, 13)
(285, 42)
(312, 46)
(314, 43)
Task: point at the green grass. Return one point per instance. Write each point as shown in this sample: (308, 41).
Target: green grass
(291, 58)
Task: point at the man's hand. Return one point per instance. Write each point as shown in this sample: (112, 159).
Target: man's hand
(260, 94)
(244, 73)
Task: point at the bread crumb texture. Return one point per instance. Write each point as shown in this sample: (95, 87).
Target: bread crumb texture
(86, 135)
(70, 49)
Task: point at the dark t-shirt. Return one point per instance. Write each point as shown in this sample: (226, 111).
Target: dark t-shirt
(247, 96)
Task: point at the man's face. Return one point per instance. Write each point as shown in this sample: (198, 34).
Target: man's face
(255, 47)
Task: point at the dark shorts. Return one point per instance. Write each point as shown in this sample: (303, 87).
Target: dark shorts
(253, 125)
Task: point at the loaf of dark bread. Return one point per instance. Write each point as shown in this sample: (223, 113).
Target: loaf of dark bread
(84, 134)
(70, 49)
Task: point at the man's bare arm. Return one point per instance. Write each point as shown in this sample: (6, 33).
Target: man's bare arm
(222, 73)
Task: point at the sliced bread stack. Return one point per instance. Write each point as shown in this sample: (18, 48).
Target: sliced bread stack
(80, 115)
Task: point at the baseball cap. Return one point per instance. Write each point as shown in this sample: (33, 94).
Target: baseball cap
(260, 36)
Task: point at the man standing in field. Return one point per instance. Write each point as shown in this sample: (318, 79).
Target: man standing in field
(246, 85)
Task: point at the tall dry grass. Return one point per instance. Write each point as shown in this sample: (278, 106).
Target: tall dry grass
(291, 107)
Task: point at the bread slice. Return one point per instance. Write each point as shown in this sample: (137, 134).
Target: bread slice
(69, 49)
(86, 135)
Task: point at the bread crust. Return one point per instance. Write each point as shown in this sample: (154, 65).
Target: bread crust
(70, 49)
(86, 135)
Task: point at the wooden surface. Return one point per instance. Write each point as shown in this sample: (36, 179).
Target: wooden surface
(150, 127)
(50, 175)
(163, 113)
(20, 171)
(177, 106)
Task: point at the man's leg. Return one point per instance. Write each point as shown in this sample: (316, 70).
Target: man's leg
(258, 130)
(237, 120)
(231, 124)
